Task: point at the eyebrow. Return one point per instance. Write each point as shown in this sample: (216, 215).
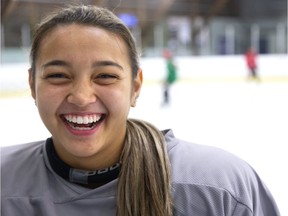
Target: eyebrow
(55, 63)
(107, 63)
(95, 64)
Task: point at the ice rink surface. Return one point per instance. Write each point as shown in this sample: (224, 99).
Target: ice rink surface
(246, 118)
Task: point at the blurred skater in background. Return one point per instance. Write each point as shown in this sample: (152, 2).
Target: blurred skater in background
(251, 61)
(171, 75)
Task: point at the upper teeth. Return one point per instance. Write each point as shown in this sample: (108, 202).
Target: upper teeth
(87, 119)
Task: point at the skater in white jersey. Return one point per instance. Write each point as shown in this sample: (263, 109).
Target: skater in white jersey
(84, 77)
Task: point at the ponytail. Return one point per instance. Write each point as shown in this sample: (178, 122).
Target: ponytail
(144, 182)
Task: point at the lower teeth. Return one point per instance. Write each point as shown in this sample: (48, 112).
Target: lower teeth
(82, 128)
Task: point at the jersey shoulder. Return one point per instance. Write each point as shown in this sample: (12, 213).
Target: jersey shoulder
(20, 166)
(210, 179)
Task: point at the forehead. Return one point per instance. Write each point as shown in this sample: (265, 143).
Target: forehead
(82, 38)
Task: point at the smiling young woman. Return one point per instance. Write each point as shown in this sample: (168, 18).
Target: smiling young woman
(91, 80)
(85, 77)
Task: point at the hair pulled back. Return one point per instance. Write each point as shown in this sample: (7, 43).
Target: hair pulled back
(144, 185)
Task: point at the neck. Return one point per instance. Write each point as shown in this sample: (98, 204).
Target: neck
(94, 177)
(97, 161)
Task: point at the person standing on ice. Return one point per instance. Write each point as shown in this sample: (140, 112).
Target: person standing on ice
(251, 62)
(171, 75)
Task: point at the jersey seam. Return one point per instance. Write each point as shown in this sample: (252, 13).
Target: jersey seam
(220, 188)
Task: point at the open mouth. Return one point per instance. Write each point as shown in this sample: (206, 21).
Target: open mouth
(83, 122)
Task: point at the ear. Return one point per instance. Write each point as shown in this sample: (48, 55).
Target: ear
(137, 84)
(31, 83)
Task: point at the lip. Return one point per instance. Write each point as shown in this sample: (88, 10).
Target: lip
(81, 129)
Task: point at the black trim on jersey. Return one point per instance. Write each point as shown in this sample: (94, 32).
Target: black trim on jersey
(84, 177)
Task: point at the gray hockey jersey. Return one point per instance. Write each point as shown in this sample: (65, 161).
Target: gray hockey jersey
(206, 181)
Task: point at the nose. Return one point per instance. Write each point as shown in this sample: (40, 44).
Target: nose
(82, 94)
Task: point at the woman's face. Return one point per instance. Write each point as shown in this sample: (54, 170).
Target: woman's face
(83, 89)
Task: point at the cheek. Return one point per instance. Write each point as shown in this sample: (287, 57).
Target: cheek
(47, 99)
(118, 100)
(45, 91)
(45, 103)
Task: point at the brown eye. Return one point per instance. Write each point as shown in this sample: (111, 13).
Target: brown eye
(56, 76)
(106, 76)
(106, 79)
